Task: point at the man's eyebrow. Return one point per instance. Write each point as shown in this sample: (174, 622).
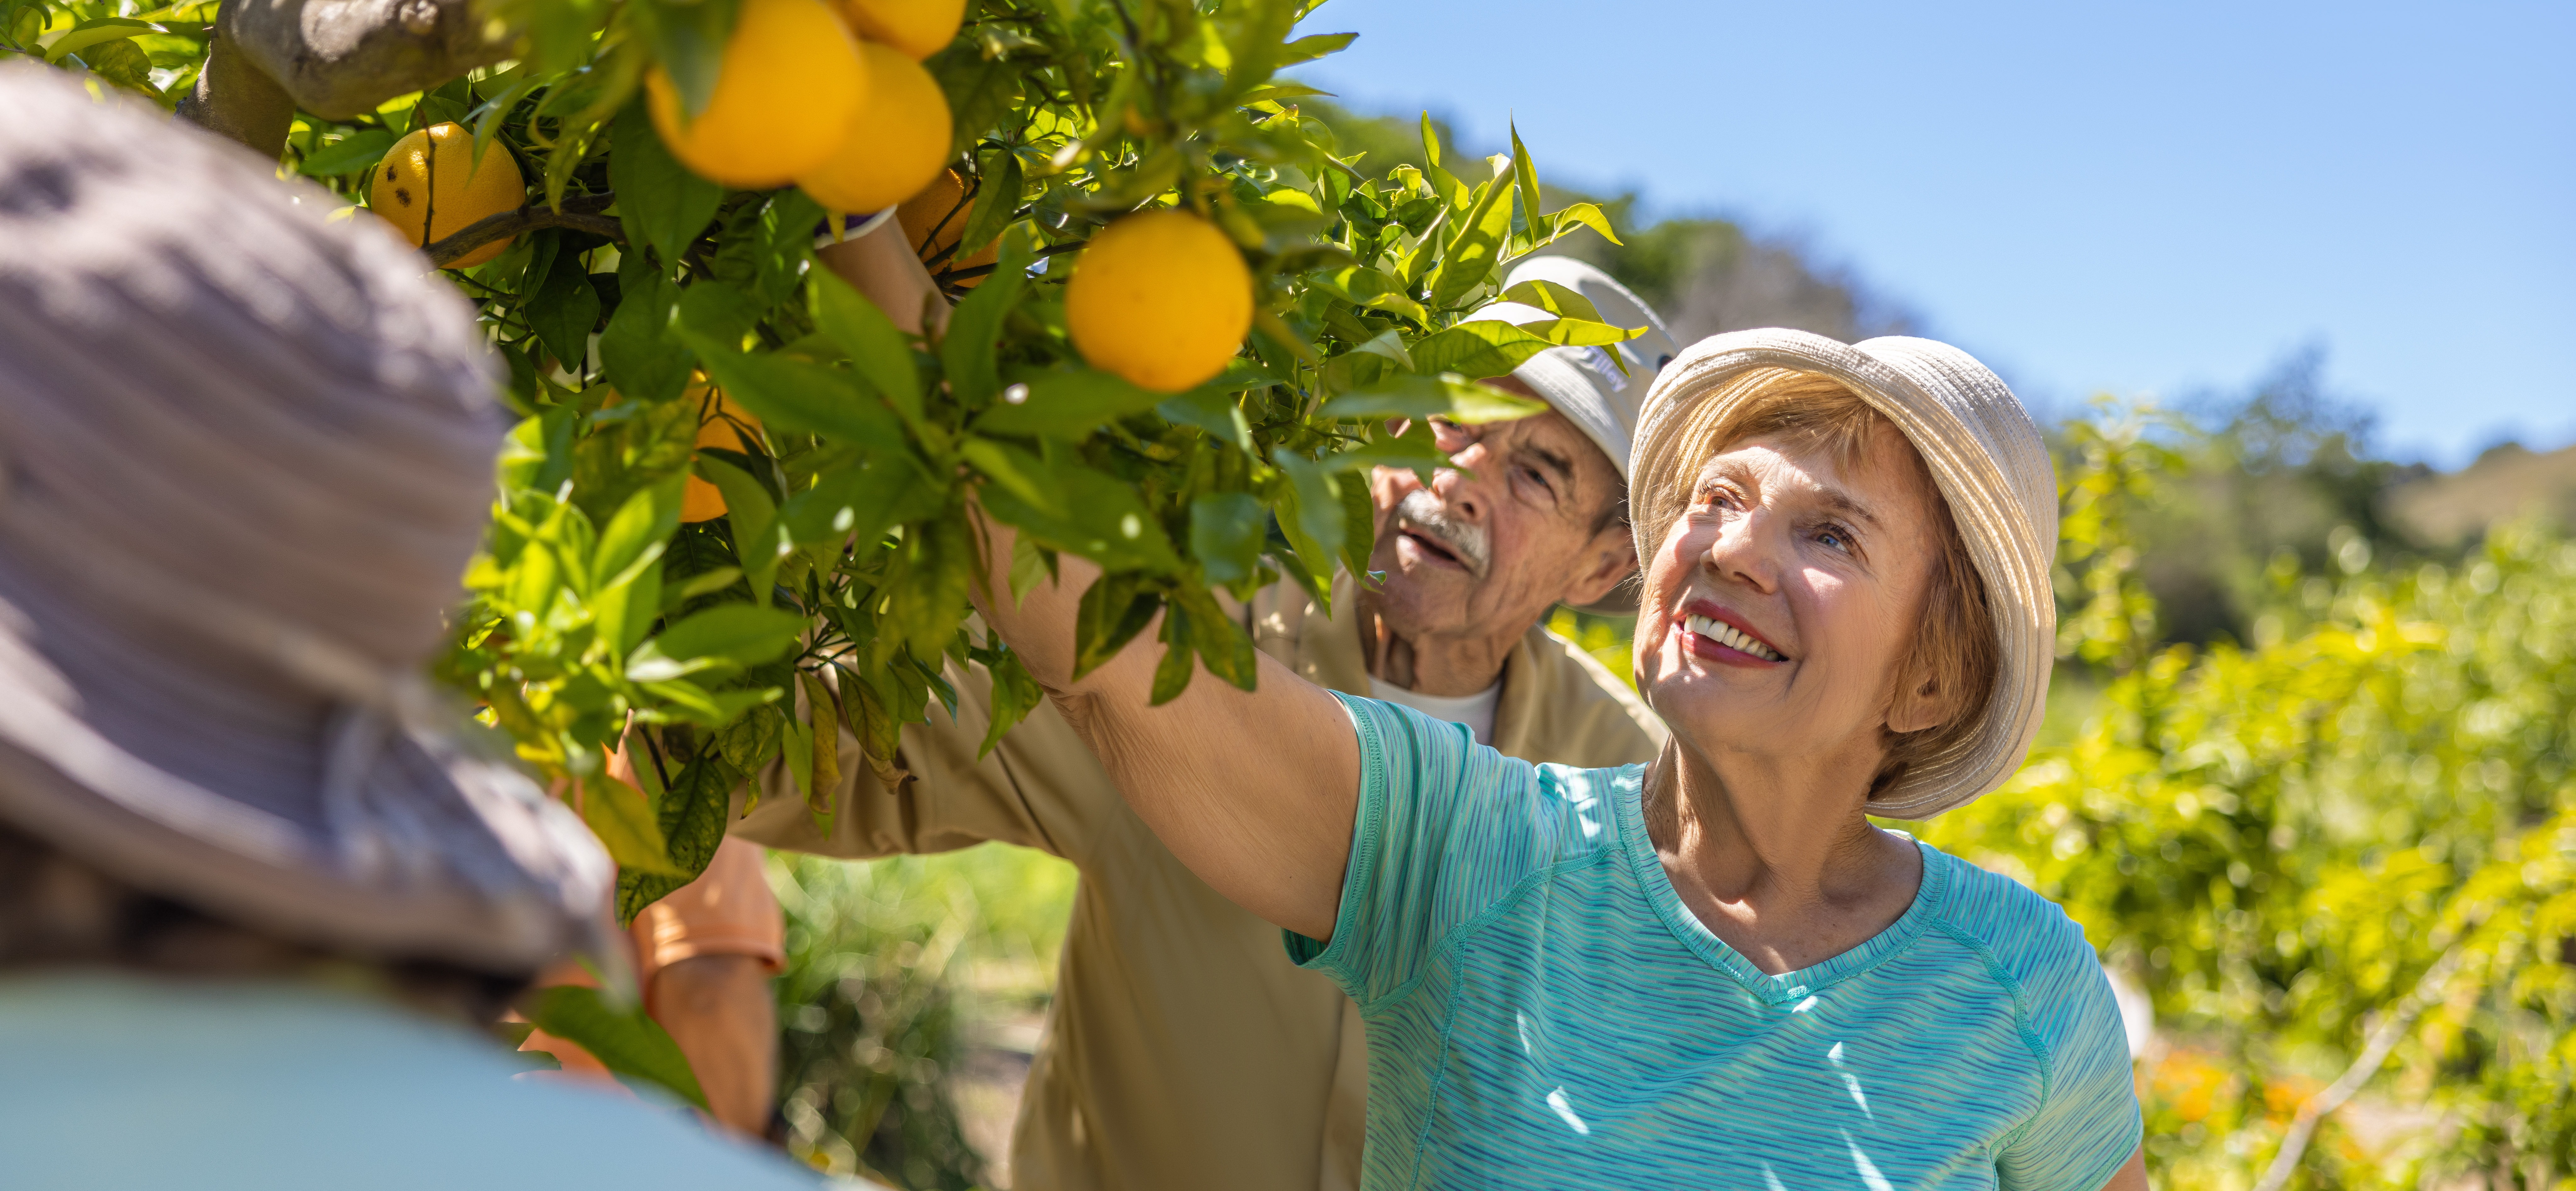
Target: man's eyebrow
(1555, 462)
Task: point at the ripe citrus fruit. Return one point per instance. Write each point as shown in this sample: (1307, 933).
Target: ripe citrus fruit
(898, 136)
(935, 219)
(720, 425)
(1161, 299)
(429, 187)
(919, 28)
(790, 79)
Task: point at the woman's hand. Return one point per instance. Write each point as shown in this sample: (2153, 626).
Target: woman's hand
(1254, 790)
(882, 267)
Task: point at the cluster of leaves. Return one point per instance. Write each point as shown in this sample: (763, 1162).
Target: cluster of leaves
(834, 591)
(2281, 842)
(155, 53)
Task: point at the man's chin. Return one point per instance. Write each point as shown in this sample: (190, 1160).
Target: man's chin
(1415, 596)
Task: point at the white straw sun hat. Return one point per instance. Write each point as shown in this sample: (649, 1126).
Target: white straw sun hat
(245, 454)
(1992, 468)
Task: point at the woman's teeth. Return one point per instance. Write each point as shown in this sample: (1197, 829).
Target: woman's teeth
(1728, 635)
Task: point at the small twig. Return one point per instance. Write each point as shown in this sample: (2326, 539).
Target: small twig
(2313, 1110)
(947, 275)
(580, 213)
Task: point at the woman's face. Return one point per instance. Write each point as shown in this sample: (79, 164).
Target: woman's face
(1783, 600)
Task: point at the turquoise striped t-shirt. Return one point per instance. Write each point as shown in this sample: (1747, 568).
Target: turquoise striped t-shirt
(1543, 1011)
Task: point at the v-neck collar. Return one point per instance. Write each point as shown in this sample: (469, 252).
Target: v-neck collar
(1657, 886)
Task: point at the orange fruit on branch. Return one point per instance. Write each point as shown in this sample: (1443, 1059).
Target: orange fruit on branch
(919, 28)
(721, 424)
(897, 138)
(1161, 299)
(790, 78)
(429, 187)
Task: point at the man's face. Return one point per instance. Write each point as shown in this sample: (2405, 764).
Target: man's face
(1514, 526)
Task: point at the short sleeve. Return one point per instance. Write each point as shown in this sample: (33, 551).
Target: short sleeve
(2088, 1123)
(728, 910)
(1446, 828)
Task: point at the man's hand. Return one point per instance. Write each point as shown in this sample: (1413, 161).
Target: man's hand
(719, 1009)
(881, 266)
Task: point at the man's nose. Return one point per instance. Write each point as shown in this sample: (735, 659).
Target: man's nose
(1462, 491)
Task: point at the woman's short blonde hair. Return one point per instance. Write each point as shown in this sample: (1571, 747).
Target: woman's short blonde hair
(1956, 647)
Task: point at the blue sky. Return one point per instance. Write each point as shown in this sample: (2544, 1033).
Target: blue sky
(2149, 201)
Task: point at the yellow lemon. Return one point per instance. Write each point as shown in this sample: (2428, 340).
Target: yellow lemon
(935, 220)
(897, 138)
(429, 187)
(721, 424)
(790, 79)
(1161, 299)
(919, 28)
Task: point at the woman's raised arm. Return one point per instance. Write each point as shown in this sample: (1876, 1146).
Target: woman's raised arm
(1254, 790)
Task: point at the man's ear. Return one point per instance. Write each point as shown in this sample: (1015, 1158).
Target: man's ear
(1612, 557)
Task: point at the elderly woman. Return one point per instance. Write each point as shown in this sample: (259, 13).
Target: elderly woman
(1712, 970)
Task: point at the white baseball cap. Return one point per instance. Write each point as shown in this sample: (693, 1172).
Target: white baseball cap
(1586, 384)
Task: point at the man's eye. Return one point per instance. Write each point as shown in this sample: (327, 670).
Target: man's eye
(1833, 537)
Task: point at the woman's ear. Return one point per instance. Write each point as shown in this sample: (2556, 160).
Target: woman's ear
(1920, 703)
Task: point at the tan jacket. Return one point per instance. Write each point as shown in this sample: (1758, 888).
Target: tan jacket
(1182, 1050)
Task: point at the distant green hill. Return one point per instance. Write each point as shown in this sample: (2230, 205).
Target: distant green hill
(2447, 511)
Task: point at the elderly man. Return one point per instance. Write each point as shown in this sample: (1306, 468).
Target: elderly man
(1184, 1049)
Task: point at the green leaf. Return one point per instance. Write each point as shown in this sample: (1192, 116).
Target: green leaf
(1468, 259)
(1113, 610)
(742, 633)
(1220, 641)
(563, 309)
(1525, 176)
(619, 815)
(1552, 298)
(637, 350)
(1315, 508)
(862, 501)
(689, 40)
(718, 311)
(1362, 285)
(1103, 520)
(753, 516)
(1172, 674)
(791, 394)
(1581, 215)
(879, 351)
(626, 1041)
(1448, 395)
(1015, 695)
(662, 203)
(634, 536)
(1213, 410)
(1225, 535)
(967, 346)
(1486, 347)
(349, 154)
(997, 199)
(1311, 47)
(1068, 403)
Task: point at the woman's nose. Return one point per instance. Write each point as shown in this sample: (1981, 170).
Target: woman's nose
(1747, 550)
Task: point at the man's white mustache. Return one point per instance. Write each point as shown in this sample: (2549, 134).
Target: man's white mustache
(1425, 514)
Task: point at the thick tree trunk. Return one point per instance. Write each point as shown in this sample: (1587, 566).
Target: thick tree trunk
(333, 58)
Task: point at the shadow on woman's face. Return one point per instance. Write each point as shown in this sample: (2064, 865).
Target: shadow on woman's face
(1782, 602)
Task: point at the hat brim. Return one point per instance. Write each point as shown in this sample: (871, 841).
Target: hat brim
(441, 855)
(1992, 468)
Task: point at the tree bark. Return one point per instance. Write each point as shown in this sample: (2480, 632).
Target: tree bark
(333, 58)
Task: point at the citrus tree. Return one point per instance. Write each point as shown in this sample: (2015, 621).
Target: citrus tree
(2349, 847)
(734, 516)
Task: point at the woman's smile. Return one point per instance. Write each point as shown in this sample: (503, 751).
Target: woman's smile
(1717, 634)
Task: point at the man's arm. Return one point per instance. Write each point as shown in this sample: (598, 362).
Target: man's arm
(718, 1008)
(1255, 791)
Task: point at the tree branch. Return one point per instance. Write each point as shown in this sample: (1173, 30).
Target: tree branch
(2313, 1111)
(580, 213)
(340, 58)
(233, 98)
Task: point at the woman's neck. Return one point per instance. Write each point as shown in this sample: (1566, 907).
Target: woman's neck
(1778, 858)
